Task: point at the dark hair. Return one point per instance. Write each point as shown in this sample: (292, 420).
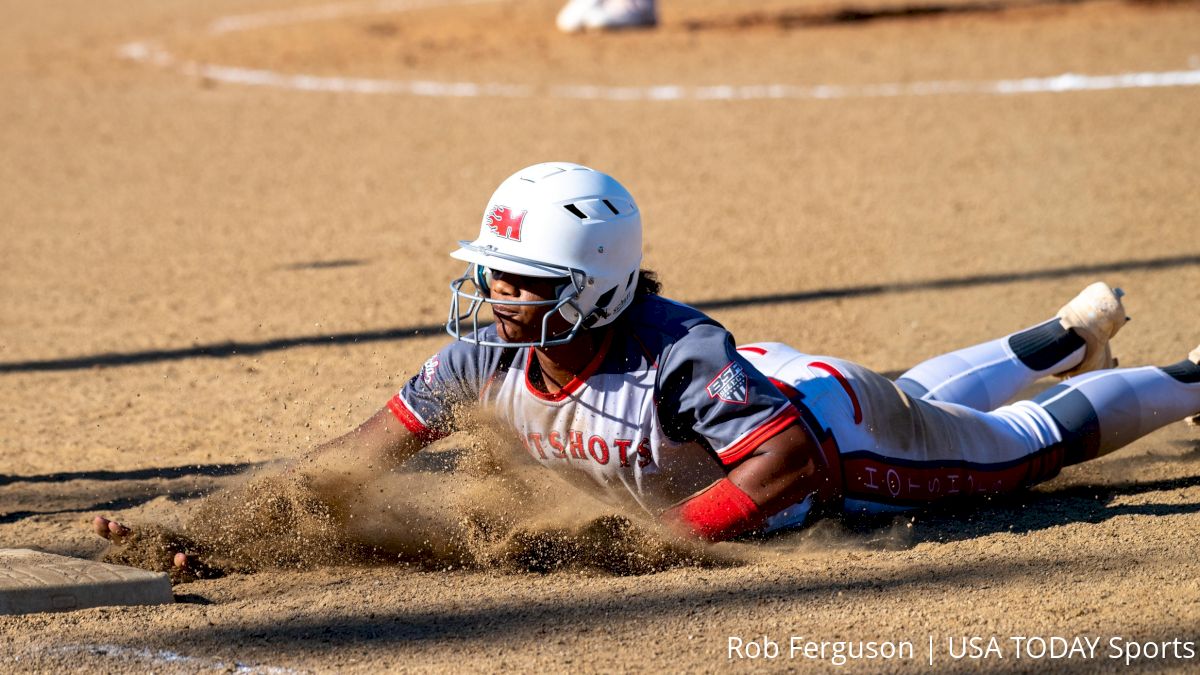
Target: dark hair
(647, 283)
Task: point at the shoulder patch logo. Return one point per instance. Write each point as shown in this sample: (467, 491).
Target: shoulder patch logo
(730, 385)
(504, 222)
(429, 370)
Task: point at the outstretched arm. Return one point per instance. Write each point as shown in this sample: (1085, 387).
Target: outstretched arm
(378, 445)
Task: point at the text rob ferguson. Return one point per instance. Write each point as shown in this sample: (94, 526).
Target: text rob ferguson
(1026, 648)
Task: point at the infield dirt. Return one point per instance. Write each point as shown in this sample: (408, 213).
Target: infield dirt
(202, 279)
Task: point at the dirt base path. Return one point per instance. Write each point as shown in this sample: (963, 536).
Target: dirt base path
(200, 277)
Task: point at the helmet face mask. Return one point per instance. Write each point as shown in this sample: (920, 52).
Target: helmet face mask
(552, 221)
(479, 294)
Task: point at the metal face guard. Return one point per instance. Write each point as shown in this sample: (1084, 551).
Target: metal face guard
(477, 299)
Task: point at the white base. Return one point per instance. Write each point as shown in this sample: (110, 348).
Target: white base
(32, 581)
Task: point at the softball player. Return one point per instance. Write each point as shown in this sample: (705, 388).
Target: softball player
(648, 403)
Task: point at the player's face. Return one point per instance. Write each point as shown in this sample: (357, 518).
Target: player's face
(523, 323)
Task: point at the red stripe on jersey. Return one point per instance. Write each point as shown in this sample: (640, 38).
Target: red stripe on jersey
(411, 422)
(753, 350)
(768, 430)
(787, 389)
(845, 385)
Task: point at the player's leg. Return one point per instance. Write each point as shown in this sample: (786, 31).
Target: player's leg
(896, 451)
(899, 452)
(935, 450)
(988, 375)
(1102, 411)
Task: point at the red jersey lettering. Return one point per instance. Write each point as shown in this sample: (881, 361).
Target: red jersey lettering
(598, 449)
(560, 451)
(576, 441)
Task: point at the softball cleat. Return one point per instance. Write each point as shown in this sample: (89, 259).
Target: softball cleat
(1096, 315)
(578, 15)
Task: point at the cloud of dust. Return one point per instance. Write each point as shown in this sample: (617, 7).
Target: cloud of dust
(483, 507)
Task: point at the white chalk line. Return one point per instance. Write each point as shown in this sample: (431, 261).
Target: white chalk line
(153, 53)
(163, 657)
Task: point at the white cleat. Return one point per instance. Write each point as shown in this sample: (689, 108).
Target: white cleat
(578, 15)
(1096, 314)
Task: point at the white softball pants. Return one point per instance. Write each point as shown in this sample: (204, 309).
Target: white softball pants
(945, 428)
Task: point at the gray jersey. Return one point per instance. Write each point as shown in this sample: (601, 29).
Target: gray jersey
(660, 413)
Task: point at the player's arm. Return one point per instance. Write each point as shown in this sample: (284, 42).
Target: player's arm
(785, 466)
(338, 467)
(778, 473)
(381, 443)
(709, 391)
(419, 414)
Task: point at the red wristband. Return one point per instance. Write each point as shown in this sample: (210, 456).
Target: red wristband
(720, 512)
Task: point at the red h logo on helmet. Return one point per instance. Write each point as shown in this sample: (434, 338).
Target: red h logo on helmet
(503, 222)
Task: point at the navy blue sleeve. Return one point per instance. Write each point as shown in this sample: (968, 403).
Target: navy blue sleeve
(708, 392)
(451, 378)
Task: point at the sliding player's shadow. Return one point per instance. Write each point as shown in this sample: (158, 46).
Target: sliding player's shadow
(1031, 510)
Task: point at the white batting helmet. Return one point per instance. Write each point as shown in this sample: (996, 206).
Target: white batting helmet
(555, 220)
